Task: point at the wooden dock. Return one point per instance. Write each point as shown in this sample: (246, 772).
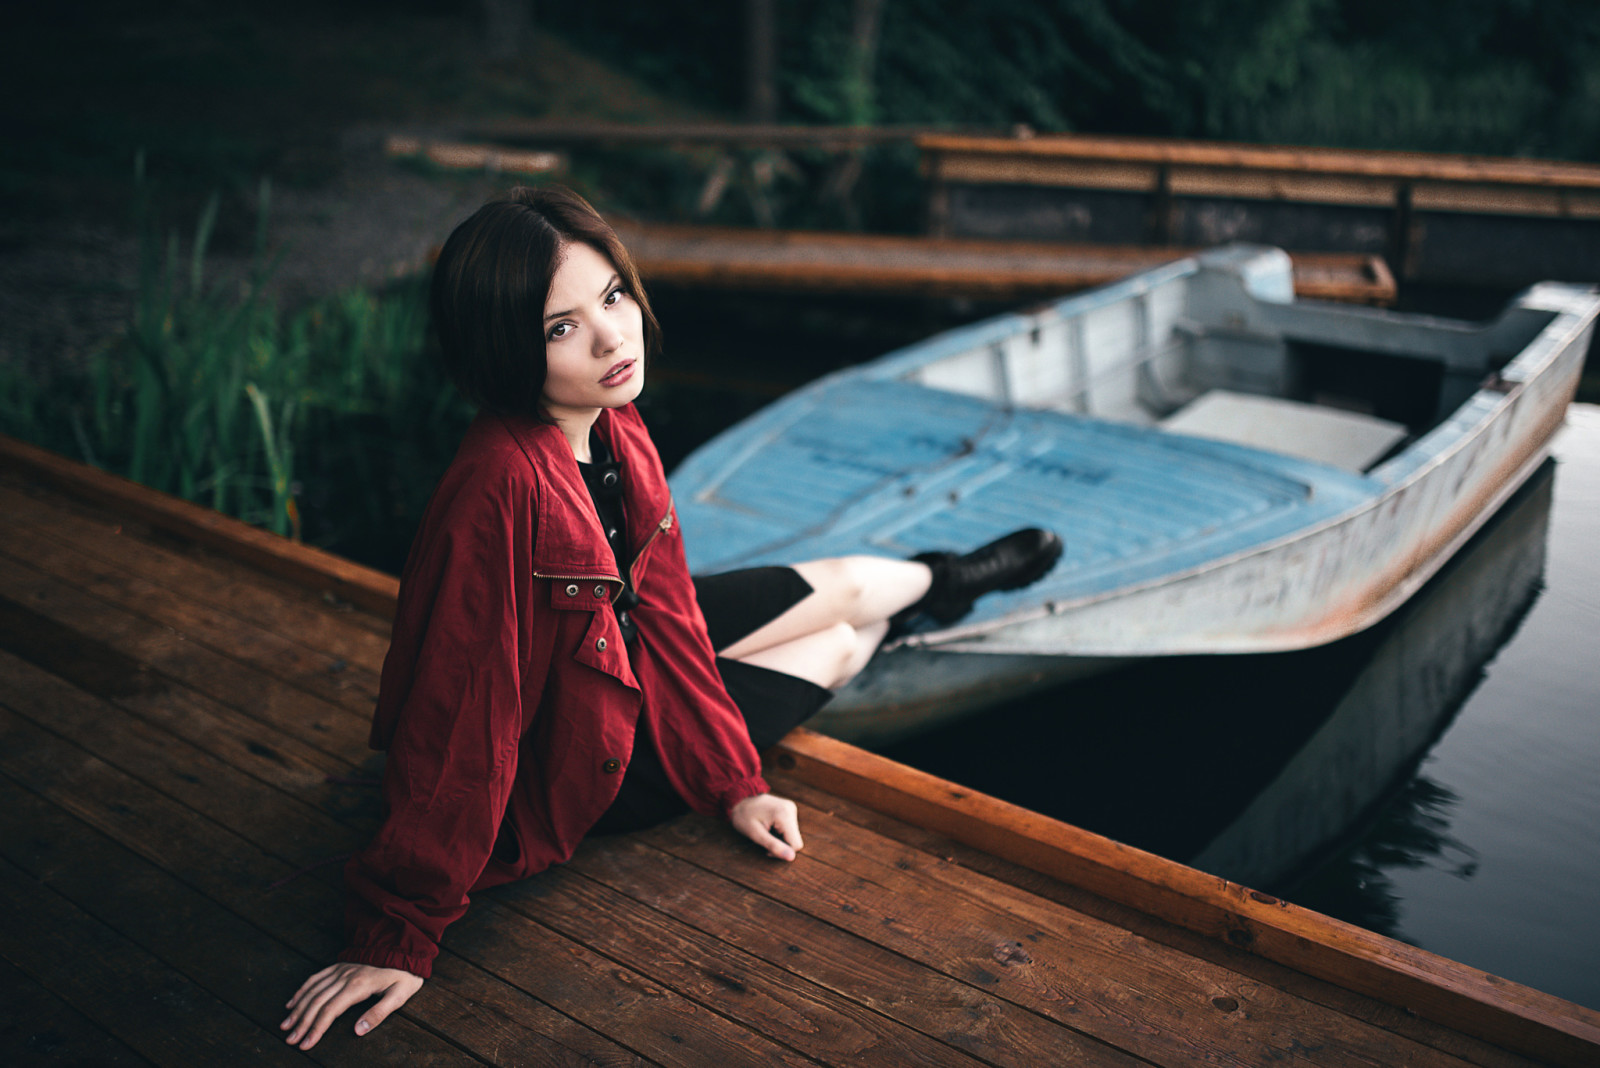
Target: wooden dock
(1436, 218)
(732, 258)
(183, 760)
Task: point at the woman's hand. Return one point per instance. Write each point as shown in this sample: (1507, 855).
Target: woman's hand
(325, 996)
(758, 817)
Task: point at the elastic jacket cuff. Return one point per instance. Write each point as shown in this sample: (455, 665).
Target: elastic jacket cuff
(740, 790)
(421, 967)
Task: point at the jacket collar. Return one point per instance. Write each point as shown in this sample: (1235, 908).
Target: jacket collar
(570, 542)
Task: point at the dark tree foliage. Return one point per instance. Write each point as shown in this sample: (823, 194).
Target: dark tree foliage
(1497, 76)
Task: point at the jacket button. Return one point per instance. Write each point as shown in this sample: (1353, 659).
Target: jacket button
(600, 644)
(611, 766)
(599, 591)
(609, 478)
(572, 591)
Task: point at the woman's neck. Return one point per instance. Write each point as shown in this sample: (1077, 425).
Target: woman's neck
(575, 424)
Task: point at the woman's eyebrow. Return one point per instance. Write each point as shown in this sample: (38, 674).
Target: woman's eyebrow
(610, 282)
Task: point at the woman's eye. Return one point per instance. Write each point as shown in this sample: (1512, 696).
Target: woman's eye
(560, 330)
(615, 295)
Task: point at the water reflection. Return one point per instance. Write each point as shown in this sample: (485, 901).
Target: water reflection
(1411, 831)
(1264, 768)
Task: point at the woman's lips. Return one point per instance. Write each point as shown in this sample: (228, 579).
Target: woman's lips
(618, 374)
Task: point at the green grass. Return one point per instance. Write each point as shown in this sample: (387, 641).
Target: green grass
(215, 394)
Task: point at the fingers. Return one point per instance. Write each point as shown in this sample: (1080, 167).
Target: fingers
(787, 824)
(397, 996)
(776, 847)
(315, 982)
(757, 817)
(311, 998)
(325, 996)
(331, 1010)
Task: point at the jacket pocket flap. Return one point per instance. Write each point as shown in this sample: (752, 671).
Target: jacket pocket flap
(602, 649)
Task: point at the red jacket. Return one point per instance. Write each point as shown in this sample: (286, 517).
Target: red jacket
(508, 701)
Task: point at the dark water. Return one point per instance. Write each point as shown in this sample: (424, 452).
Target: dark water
(1436, 778)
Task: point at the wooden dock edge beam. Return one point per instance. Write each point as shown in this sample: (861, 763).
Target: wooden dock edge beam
(1518, 1017)
(1436, 988)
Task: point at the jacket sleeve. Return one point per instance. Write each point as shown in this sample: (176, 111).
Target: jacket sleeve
(705, 744)
(450, 711)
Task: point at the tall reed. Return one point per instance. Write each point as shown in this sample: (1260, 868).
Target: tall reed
(216, 394)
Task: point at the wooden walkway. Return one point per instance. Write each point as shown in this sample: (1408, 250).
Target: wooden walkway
(733, 258)
(184, 705)
(1436, 218)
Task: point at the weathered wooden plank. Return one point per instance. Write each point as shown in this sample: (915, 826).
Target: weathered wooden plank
(1441, 167)
(182, 931)
(304, 564)
(179, 768)
(1517, 1017)
(607, 994)
(332, 678)
(951, 267)
(306, 911)
(131, 547)
(566, 131)
(1293, 1015)
(856, 966)
(165, 652)
(172, 920)
(457, 156)
(1154, 1002)
(37, 655)
(1377, 1013)
(777, 1003)
(1506, 200)
(169, 1019)
(37, 1028)
(232, 852)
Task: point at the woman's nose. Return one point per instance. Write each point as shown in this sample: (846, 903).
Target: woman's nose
(607, 336)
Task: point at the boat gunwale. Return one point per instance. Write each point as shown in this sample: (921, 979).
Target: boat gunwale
(1447, 992)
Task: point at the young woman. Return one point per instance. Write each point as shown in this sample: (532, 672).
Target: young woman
(554, 672)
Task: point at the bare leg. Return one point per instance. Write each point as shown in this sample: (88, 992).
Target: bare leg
(829, 657)
(860, 591)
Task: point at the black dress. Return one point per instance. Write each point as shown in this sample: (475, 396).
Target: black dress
(734, 603)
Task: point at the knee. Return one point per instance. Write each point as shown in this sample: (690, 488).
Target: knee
(854, 577)
(842, 644)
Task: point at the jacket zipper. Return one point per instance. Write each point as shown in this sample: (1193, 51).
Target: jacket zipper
(666, 523)
(577, 578)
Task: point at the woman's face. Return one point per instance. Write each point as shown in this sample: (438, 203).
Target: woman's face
(593, 334)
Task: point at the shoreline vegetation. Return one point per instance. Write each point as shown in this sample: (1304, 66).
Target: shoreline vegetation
(317, 422)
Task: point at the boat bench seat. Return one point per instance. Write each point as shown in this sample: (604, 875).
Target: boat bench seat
(1348, 440)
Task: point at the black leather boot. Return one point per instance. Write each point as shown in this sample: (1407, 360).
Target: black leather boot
(1009, 563)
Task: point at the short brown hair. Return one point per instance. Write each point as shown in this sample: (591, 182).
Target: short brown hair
(490, 285)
